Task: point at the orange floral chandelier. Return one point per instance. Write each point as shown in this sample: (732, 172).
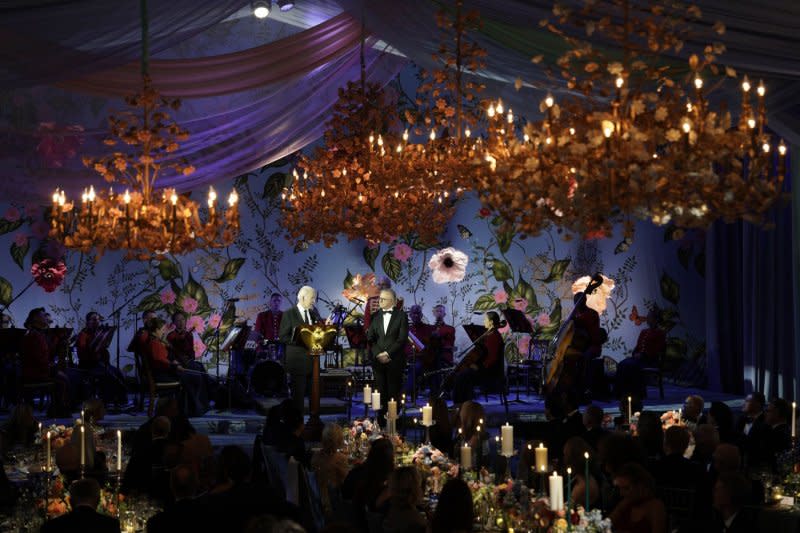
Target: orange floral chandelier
(637, 138)
(369, 181)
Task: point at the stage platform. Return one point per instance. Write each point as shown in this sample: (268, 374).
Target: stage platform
(239, 426)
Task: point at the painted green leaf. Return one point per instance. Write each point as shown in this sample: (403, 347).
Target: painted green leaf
(231, 269)
(557, 271)
(684, 255)
(196, 291)
(6, 226)
(421, 246)
(525, 290)
(169, 270)
(6, 292)
(370, 255)
(274, 185)
(18, 253)
(151, 302)
(501, 270)
(504, 240)
(700, 263)
(497, 221)
(555, 314)
(348, 280)
(484, 303)
(670, 289)
(391, 266)
(676, 348)
(127, 369)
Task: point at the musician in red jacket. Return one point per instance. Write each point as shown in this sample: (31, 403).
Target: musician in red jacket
(485, 365)
(94, 359)
(38, 364)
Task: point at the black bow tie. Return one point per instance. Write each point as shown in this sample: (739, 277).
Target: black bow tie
(387, 312)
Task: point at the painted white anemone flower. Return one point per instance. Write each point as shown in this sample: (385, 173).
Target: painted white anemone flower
(596, 300)
(448, 264)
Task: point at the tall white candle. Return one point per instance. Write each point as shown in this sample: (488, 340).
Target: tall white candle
(367, 394)
(83, 445)
(507, 431)
(376, 400)
(83, 416)
(629, 410)
(119, 450)
(466, 456)
(49, 459)
(794, 419)
(541, 457)
(556, 492)
(427, 415)
(392, 409)
(40, 431)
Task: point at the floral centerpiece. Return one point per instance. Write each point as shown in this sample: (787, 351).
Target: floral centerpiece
(59, 435)
(672, 418)
(59, 503)
(436, 467)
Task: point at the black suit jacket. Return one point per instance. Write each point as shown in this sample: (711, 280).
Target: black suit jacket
(82, 519)
(183, 515)
(392, 341)
(297, 358)
(755, 443)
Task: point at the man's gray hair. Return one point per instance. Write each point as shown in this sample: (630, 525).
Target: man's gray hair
(305, 289)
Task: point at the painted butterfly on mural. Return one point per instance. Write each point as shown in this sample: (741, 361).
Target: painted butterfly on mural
(636, 318)
(623, 245)
(464, 232)
(302, 245)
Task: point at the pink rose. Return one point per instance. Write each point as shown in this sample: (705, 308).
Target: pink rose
(195, 323)
(500, 297)
(20, 239)
(39, 229)
(520, 304)
(523, 344)
(214, 320)
(12, 214)
(167, 296)
(199, 347)
(543, 320)
(189, 304)
(49, 274)
(402, 252)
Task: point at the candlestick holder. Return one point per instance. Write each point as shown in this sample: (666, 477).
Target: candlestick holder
(428, 431)
(117, 487)
(47, 472)
(366, 410)
(508, 456)
(83, 471)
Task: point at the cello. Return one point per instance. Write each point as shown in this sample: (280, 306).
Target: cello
(558, 349)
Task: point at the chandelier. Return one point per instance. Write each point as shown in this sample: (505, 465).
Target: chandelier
(144, 221)
(635, 135)
(369, 180)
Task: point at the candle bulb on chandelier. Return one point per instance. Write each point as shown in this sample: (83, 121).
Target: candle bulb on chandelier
(781, 158)
(499, 107)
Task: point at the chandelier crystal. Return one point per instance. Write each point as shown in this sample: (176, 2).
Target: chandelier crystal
(144, 221)
(634, 134)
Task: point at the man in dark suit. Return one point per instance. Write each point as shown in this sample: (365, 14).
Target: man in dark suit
(731, 495)
(184, 512)
(298, 362)
(593, 422)
(779, 439)
(753, 431)
(85, 497)
(388, 333)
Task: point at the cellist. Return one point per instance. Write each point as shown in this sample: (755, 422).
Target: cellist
(486, 364)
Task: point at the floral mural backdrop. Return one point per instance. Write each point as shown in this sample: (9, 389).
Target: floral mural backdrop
(660, 268)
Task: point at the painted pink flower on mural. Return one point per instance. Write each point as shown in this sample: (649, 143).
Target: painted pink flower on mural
(49, 273)
(214, 320)
(39, 229)
(196, 323)
(484, 212)
(402, 252)
(448, 265)
(12, 214)
(543, 320)
(520, 304)
(57, 143)
(20, 239)
(523, 344)
(189, 304)
(167, 296)
(500, 297)
(199, 347)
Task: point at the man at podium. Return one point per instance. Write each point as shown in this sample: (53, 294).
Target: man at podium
(298, 362)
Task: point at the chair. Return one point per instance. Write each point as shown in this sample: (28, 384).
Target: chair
(43, 390)
(679, 503)
(275, 468)
(658, 371)
(310, 500)
(152, 387)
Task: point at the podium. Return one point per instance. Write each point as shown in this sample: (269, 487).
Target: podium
(316, 338)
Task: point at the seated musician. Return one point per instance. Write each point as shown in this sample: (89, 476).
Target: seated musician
(194, 384)
(485, 363)
(443, 337)
(38, 364)
(94, 359)
(650, 346)
(140, 337)
(421, 359)
(180, 343)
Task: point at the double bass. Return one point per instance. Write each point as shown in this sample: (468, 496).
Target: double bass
(558, 349)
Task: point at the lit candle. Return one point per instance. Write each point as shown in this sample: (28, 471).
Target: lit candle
(40, 430)
(83, 446)
(507, 431)
(427, 415)
(376, 400)
(367, 394)
(392, 409)
(794, 419)
(119, 450)
(556, 492)
(49, 459)
(83, 417)
(569, 487)
(629, 409)
(586, 480)
(466, 456)
(541, 457)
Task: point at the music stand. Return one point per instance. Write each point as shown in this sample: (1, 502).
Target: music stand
(518, 323)
(474, 331)
(357, 338)
(11, 338)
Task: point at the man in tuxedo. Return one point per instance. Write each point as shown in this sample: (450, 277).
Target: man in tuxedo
(777, 416)
(298, 362)
(731, 495)
(388, 333)
(753, 431)
(85, 497)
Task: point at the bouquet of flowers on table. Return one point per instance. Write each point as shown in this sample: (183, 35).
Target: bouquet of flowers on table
(58, 501)
(672, 418)
(434, 466)
(364, 427)
(59, 435)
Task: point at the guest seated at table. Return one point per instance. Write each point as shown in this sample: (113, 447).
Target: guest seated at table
(454, 512)
(593, 423)
(84, 497)
(20, 429)
(693, 414)
(145, 470)
(721, 417)
(779, 438)
(752, 431)
(406, 494)
(574, 458)
(94, 359)
(290, 439)
(564, 421)
(706, 440)
(184, 512)
(639, 510)
(731, 495)
(38, 363)
(68, 461)
(442, 431)
(674, 470)
(194, 384)
(471, 417)
(330, 465)
(615, 451)
(366, 484)
(650, 435)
